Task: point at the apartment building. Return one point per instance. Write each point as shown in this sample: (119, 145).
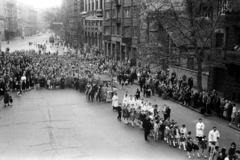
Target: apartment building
(92, 23)
(224, 71)
(2, 17)
(10, 29)
(120, 40)
(26, 19)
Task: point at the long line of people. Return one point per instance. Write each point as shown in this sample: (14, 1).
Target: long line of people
(156, 122)
(167, 86)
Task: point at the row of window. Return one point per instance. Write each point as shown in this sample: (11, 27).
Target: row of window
(127, 12)
(93, 23)
(127, 31)
(91, 6)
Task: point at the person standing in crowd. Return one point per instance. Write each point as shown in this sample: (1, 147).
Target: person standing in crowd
(119, 109)
(229, 111)
(115, 102)
(200, 129)
(222, 154)
(238, 117)
(11, 101)
(6, 98)
(137, 95)
(190, 83)
(203, 145)
(141, 83)
(168, 112)
(232, 151)
(213, 138)
(147, 127)
(233, 114)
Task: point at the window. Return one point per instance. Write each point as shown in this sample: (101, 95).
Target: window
(96, 4)
(223, 6)
(114, 13)
(219, 39)
(92, 5)
(101, 4)
(135, 31)
(127, 31)
(134, 11)
(127, 12)
(118, 30)
(190, 63)
(113, 30)
(107, 30)
(107, 14)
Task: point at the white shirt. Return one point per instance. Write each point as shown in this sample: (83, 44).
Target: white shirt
(200, 129)
(23, 78)
(212, 136)
(115, 101)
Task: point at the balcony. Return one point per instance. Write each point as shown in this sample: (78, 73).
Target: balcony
(107, 37)
(117, 20)
(84, 13)
(99, 13)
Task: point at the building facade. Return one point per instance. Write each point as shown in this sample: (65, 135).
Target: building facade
(120, 40)
(75, 35)
(224, 71)
(93, 25)
(10, 29)
(27, 20)
(2, 18)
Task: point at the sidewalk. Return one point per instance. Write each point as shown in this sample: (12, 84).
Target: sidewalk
(233, 126)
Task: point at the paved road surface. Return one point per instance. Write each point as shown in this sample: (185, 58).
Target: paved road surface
(62, 124)
(23, 44)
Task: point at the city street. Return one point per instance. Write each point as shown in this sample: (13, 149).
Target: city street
(23, 44)
(62, 125)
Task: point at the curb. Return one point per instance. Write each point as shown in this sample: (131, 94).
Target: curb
(234, 127)
(193, 109)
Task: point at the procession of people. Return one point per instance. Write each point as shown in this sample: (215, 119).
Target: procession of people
(156, 122)
(25, 70)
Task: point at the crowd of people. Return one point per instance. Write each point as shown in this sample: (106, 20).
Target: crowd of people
(167, 86)
(24, 70)
(156, 122)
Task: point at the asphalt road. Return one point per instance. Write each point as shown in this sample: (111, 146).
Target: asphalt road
(63, 125)
(23, 44)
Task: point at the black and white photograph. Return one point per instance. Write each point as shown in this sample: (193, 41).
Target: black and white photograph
(119, 79)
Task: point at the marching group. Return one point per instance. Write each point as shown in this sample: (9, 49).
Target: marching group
(168, 86)
(156, 122)
(23, 70)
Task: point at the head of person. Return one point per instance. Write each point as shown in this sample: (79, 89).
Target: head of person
(233, 145)
(200, 120)
(183, 126)
(214, 128)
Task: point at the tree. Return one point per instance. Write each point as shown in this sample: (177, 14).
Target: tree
(67, 24)
(190, 25)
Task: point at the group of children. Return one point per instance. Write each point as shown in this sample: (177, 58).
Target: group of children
(134, 111)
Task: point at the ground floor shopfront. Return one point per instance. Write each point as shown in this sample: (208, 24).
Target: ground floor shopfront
(119, 48)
